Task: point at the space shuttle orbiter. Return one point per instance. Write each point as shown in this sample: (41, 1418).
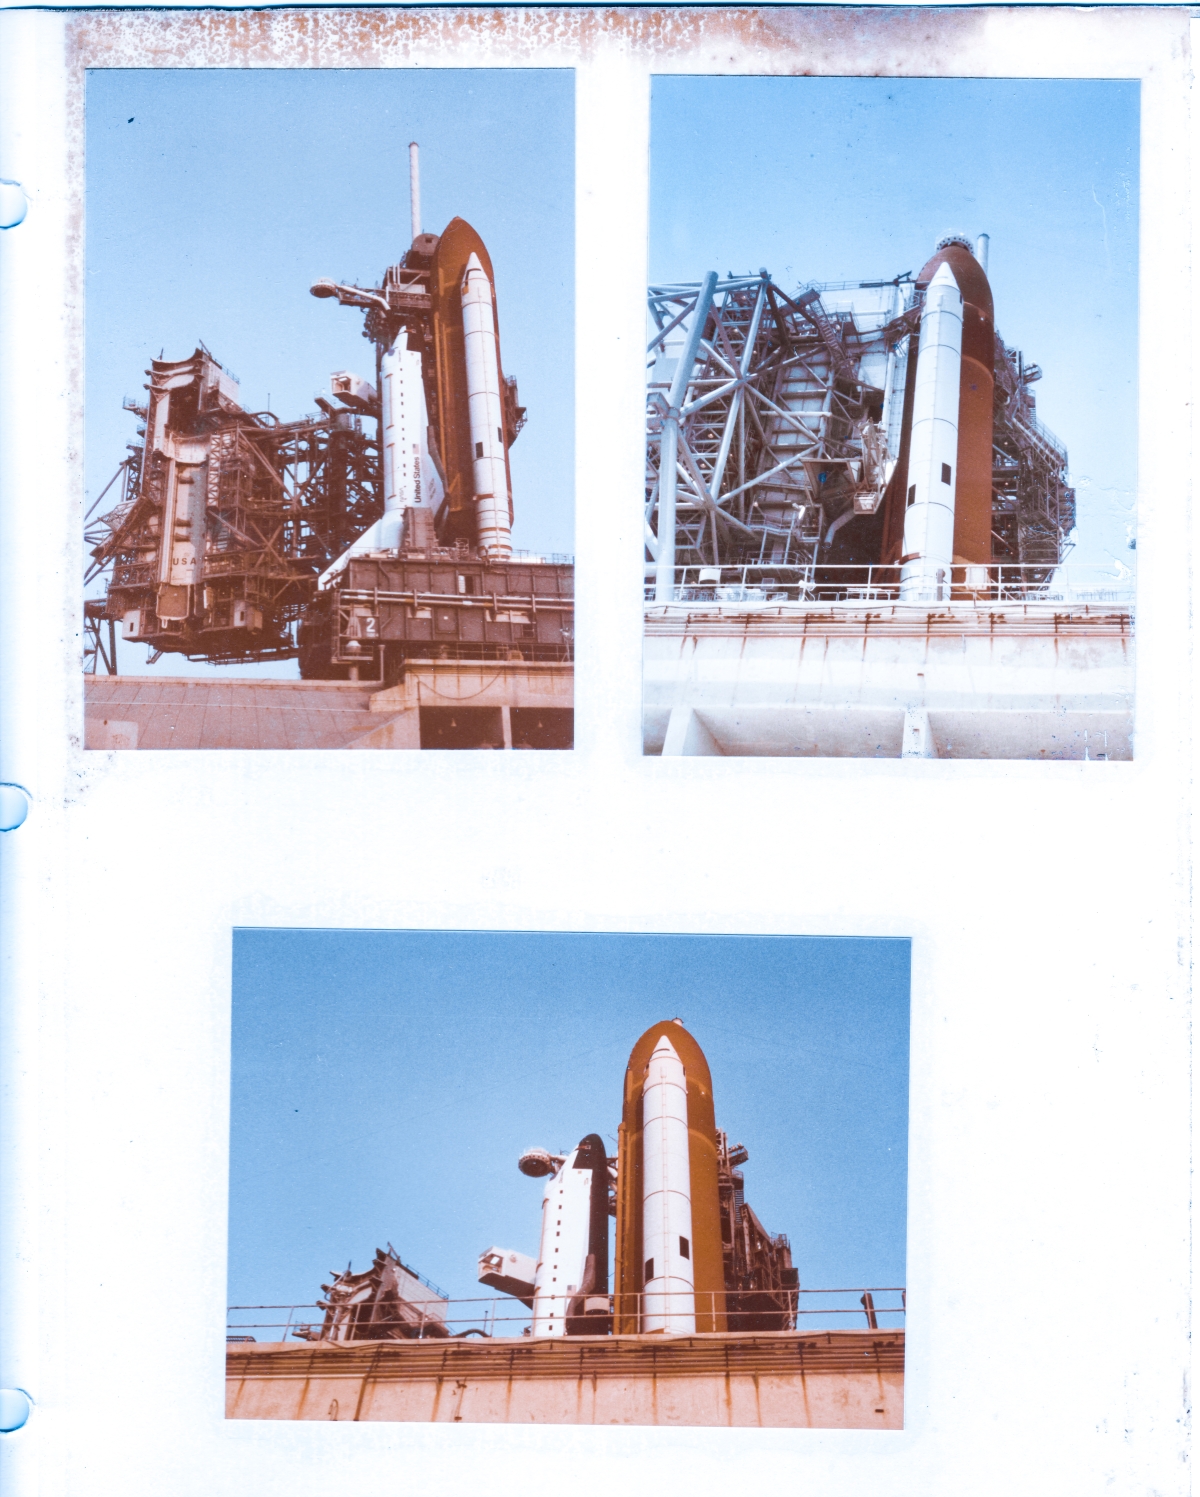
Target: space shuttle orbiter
(566, 1286)
(447, 412)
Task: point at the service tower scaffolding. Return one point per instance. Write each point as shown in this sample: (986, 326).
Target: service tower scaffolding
(863, 461)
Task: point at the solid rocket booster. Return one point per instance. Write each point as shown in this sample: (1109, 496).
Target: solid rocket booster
(973, 471)
(669, 1302)
(933, 453)
(486, 413)
(973, 479)
(571, 1281)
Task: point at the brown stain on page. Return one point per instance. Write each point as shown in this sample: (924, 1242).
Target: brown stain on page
(771, 39)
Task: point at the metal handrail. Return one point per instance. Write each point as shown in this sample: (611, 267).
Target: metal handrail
(482, 1314)
(807, 583)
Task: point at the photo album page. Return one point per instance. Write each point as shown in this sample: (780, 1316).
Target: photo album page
(426, 433)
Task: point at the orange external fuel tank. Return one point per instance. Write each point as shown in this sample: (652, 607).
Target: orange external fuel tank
(973, 488)
(707, 1257)
(457, 243)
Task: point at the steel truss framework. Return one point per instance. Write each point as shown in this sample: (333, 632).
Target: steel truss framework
(760, 1283)
(226, 519)
(283, 500)
(764, 437)
(1033, 505)
(372, 1306)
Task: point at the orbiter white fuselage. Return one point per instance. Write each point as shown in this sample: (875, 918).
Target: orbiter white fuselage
(562, 1255)
(410, 477)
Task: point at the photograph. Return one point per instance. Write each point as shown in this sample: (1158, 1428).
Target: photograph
(891, 446)
(339, 546)
(717, 1127)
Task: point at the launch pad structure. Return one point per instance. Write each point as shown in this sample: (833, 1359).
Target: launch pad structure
(369, 541)
(820, 581)
(703, 1323)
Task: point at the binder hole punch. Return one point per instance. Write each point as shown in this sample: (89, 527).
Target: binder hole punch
(14, 807)
(14, 205)
(15, 1408)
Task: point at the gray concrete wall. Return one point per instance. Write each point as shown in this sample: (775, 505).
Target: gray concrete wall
(181, 712)
(1023, 681)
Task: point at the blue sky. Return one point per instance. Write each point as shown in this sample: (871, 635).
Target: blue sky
(831, 179)
(385, 1084)
(215, 198)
